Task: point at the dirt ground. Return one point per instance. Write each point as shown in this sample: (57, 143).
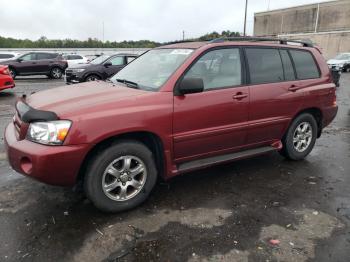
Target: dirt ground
(225, 213)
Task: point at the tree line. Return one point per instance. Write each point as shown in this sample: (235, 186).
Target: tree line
(43, 42)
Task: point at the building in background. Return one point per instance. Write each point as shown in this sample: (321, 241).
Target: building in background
(326, 24)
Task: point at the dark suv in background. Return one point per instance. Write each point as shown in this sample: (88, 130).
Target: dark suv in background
(100, 68)
(35, 63)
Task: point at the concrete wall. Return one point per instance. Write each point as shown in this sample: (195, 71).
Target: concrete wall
(332, 16)
(330, 43)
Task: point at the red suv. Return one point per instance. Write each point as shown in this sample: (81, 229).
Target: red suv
(174, 109)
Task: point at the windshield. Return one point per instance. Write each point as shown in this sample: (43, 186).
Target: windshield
(99, 59)
(151, 70)
(342, 57)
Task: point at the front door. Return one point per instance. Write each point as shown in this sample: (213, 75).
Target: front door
(118, 63)
(212, 122)
(27, 63)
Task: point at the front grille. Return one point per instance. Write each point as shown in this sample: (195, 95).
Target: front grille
(69, 72)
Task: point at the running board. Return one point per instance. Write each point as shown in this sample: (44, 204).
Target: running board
(209, 161)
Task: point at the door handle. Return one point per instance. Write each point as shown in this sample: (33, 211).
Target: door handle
(239, 96)
(293, 88)
(33, 63)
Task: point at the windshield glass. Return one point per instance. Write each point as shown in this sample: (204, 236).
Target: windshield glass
(99, 59)
(342, 57)
(151, 70)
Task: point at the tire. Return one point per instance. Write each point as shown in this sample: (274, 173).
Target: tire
(13, 73)
(105, 188)
(92, 77)
(56, 73)
(297, 144)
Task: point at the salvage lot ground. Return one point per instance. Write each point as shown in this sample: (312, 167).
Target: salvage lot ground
(225, 213)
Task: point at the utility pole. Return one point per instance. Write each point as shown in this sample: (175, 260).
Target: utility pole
(183, 35)
(103, 32)
(245, 18)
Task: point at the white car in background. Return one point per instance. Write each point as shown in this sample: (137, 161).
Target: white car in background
(340, 62)
(73, 59)
(4, 56)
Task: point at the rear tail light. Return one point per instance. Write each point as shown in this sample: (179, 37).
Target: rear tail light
(5, 71)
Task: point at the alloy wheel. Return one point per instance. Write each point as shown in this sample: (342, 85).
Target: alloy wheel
(124, 178)
(302, 137)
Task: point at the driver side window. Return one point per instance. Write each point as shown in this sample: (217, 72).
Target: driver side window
(29, 57)
(118, 60)
(218, 68)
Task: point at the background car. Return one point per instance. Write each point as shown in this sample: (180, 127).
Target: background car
(6, 80)
(340, 62)
(8, 55)
(73, 59)
(37, 63)
(100, 68)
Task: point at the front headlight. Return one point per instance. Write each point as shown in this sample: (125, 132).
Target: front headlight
(78, 70)
(49, 133)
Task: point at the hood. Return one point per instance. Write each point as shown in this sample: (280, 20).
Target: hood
(76, 99)
(336, 61)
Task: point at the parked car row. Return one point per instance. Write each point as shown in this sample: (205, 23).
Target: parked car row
(77, 68)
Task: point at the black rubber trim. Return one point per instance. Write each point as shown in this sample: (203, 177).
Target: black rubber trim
(29, 114)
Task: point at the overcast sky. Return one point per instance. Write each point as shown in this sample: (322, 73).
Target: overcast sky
(158, 20)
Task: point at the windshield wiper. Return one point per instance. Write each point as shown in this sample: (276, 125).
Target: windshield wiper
(128, 83)
(108, 80)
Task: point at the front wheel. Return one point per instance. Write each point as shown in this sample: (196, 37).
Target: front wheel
(121, 177)
(92, 78)
(300, 137)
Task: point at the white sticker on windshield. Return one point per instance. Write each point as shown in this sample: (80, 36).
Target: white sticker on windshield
(181, 52)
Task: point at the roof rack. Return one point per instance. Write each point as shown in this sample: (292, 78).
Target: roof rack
(282, 41)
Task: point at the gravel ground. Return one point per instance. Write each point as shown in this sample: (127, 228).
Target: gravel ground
(260, 209)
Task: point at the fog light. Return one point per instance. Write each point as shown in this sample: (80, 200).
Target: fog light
(26, 165)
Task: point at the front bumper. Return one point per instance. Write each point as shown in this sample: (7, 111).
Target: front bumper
(55, 165)
(72, 78)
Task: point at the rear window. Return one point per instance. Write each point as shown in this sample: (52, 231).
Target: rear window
(305, 65)
(4, 56)
(43, 56)
(265, 65)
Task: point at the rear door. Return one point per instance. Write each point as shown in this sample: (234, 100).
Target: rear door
(44, 62)
(274, 95)
(212, 122)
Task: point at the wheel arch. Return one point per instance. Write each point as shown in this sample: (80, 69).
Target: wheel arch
(151, 140)
(87, 74)
(316, 113)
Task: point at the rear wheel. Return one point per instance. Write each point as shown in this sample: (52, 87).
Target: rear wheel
(300, 137)
(56, 73)
(92, 78)
(121, 177)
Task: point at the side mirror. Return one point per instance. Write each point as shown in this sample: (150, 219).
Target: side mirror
(108, 63)
(189, 86)
(19, 60)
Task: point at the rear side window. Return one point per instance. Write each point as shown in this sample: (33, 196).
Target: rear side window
(287, 66)
(305, 65)
(265, 65)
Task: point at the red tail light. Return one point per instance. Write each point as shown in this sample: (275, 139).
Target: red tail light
(4, 71)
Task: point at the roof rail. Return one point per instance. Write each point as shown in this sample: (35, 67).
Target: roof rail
(282, 41)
